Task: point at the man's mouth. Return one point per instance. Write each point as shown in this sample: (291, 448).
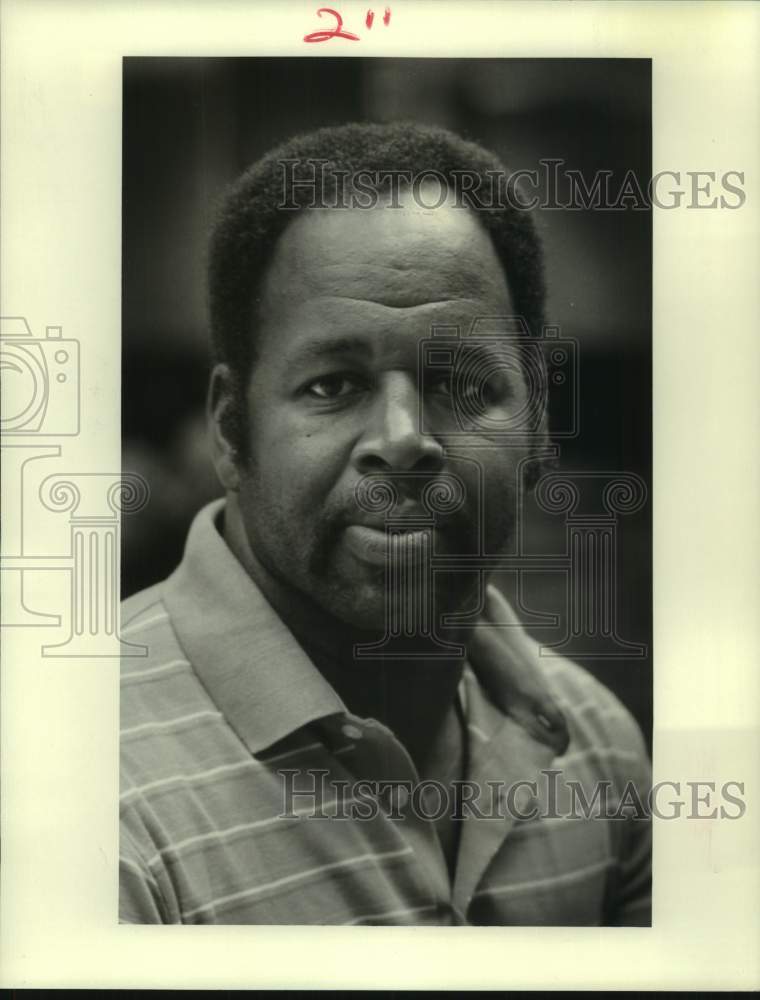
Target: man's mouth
(378, 547)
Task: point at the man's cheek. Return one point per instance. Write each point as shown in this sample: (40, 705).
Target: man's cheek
(308, 480)
(488, 472)
(500, 503)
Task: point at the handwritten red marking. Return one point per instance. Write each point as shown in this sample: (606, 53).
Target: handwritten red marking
(386, 16)
(370, 18)
(336, 32)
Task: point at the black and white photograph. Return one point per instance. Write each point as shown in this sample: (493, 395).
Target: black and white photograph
(378, 567)
(387, 376)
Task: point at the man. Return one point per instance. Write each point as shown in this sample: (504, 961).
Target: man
(321, 658)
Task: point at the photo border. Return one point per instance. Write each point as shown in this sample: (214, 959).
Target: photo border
(61, 236)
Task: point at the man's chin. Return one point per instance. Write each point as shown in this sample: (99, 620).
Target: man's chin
(370, 607)
(362, 608)
(356, 585)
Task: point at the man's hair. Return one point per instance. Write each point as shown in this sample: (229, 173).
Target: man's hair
(251, 217)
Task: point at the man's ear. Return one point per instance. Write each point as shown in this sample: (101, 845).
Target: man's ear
(220, 407)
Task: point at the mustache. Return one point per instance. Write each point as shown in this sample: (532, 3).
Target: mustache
(410, 494)
(377, 497)
(374, 505)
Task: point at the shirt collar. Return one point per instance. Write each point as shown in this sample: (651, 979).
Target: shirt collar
(250, 663)
(266, 686)
(506, 662)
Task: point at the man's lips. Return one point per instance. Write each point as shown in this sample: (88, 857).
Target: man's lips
(375, 546)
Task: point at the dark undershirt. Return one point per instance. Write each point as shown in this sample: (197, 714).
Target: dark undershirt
(438, 750)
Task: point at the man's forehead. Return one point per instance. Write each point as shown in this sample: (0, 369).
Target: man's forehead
(398, 256)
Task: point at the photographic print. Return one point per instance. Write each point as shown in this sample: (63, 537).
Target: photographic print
(387, 377)
(379, 524)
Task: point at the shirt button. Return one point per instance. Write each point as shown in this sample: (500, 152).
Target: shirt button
(352, 732)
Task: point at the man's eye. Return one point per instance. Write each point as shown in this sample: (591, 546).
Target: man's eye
(492, 390)
(333, 386)
(449, 386)
(471, 390)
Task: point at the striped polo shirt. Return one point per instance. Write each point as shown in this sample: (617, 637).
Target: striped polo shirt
(251, 795)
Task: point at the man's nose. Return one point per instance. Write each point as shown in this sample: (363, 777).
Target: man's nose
(392, 439)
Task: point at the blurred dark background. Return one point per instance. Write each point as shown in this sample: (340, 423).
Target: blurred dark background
(190, 126)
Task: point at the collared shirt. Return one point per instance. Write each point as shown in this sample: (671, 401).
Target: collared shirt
(249, 793)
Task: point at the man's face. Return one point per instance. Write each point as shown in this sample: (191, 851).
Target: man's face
(335, 394)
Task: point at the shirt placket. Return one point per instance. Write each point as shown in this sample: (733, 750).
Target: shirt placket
(506, 756)
(376, 756)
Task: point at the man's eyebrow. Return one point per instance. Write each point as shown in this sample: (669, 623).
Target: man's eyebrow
(315, 350)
